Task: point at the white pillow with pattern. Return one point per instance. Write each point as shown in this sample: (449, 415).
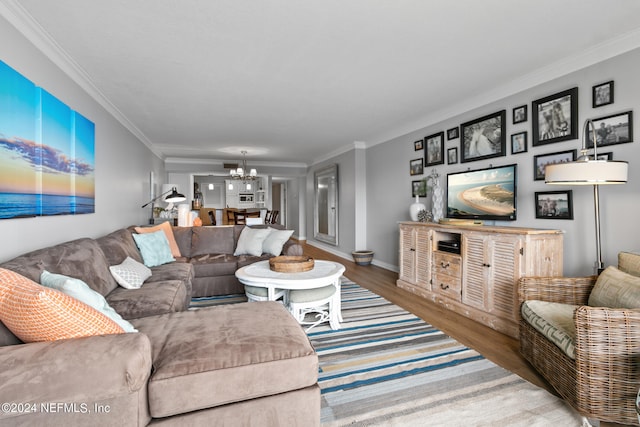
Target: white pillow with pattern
(130, 274)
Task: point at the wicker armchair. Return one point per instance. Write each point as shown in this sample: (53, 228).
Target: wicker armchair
(603, 380)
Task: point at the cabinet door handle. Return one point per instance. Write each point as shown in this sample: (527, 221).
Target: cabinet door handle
(412, 250)
(443, 287)
(444, 265)
(486, 265)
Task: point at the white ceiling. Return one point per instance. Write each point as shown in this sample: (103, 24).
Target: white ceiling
(295, 80)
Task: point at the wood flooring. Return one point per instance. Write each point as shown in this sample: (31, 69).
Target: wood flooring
(495, 346)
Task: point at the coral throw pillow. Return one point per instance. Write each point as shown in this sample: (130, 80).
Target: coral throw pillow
(168, 231)
(37, 313)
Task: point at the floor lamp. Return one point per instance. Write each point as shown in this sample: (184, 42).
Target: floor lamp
(589, 170)
(174, 197)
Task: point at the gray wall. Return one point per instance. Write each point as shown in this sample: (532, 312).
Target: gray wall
(346, 203)
(123, 163)
(389, 194)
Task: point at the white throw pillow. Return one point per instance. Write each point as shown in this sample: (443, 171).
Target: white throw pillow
(79, 290)
(250, 241)
(130, 274)
(275, 241)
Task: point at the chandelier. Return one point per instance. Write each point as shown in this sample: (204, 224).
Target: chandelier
(241, 172)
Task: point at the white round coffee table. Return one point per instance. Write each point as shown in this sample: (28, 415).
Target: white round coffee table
(324, 273)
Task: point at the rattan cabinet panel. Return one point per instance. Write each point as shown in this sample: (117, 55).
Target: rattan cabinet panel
(481, 281)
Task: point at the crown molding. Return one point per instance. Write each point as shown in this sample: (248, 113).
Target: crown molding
(356, 145)
(591, 56)
(216, 162)
(17, 16)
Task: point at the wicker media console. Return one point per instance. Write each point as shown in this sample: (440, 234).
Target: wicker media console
(474, 270)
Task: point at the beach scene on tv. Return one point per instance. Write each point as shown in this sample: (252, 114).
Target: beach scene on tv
(488, 193)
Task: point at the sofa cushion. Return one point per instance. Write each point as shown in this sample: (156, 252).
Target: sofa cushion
(130, 274)
(212, 240)
(79, 290)
(629, 263)
(37, 313)
(554, 321)
(615, 289)
(167, 229)
(152, 299)
(275, 241)
(119, 245)
(214, 265)
(245, 351)
(179, 270)
(154, 248)
(183, 236)
(250, 241)
(81, 258)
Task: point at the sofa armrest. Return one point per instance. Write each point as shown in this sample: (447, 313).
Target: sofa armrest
(607, 349)
(80, 370)
(292, 248)
(566, 290)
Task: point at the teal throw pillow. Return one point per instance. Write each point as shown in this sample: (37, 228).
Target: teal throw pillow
(79, 290)
(154, 248)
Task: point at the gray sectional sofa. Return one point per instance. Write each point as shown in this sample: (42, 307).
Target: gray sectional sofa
(240, 364)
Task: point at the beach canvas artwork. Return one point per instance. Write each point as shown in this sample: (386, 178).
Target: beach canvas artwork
(47, 152)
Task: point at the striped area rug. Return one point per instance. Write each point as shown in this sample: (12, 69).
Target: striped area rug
(387, 367)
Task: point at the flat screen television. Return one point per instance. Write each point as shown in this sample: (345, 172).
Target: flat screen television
(483, 194)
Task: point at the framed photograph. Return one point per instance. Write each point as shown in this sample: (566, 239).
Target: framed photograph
(434, 149)
(555, 117)
(541, 161)
(519, 142)
(452, 133)
(452, 156)
(611, 130)
(416, 167)
(417, 145)
(602, 94)
(419, 188)
(554, 204)
(604, 156)
(483, 138)
(520, 114)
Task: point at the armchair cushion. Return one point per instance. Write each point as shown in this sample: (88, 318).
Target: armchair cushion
(615, 289)
(554, 321)
(629, 263)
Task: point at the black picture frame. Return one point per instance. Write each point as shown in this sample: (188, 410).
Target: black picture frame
(612, 130)
(419, 188)
(416, 167)
(602, 94)
(519, 142)
(453, 133)
(452, 156)
(417, 145)
(541, 161)
(554, 204)
(555, 117)
(483, 138)
(520, 114)
(434, 149)
(604, 156)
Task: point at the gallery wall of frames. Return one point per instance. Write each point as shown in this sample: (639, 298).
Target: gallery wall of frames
(553, 118)
(47, 152)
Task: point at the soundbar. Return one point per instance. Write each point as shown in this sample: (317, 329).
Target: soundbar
(455, 221)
